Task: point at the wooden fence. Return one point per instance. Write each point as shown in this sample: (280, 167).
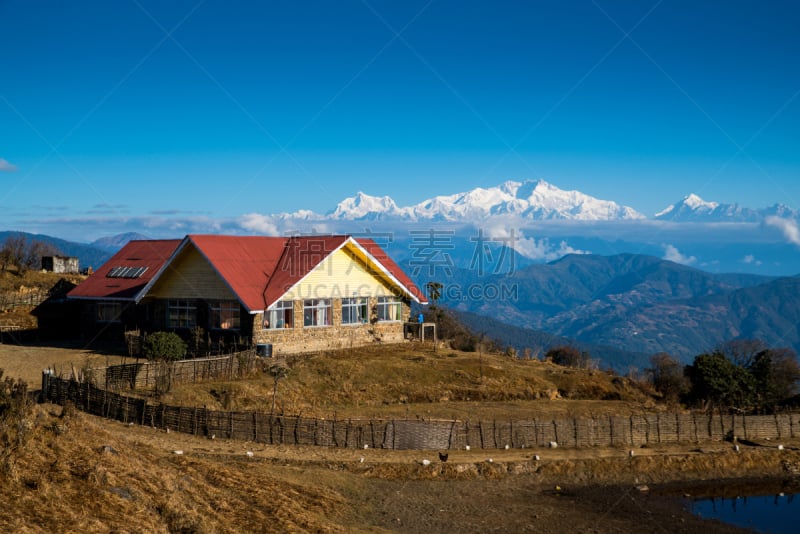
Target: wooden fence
(630, 431)
(13, 299)
(147, 374)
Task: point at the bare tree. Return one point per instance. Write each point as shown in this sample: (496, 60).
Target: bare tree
(23, 254)
(667, 376)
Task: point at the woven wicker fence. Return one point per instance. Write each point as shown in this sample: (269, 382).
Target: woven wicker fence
(630, 431)
(143, 375)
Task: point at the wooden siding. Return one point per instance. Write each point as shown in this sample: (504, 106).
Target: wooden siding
(190, 276)
(339, 276)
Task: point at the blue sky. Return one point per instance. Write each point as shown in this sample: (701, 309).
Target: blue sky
(210, 110)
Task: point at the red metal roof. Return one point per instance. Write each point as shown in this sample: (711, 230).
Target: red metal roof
(388, 263)
(150, 254)
(258, 269)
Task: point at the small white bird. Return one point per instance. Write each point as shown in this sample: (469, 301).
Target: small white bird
(362, 460)
(250, 454)
(467, 447)
(553, 445)
(426, 462)
(489, 460)
(736, 448)
(178, 452)
(507, 447)
(536, 457)
(630, 453)
(780, 447)
(366, 446)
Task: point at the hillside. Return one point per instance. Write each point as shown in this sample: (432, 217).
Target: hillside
(638, 304)
(63, 470)
(539, 342)
(88, 255)
(411, 380)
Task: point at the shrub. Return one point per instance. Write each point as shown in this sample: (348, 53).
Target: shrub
(164, 346)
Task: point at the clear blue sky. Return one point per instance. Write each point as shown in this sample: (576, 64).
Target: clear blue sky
(215, 109)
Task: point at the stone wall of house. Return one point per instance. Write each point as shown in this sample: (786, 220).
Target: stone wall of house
(60, 264)
(337, 336)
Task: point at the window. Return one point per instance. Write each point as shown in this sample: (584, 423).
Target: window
(280, 315)
(389, 308)
(109, 312)
(317, 312)
(354, 310)
(225, 315)
(181, 314)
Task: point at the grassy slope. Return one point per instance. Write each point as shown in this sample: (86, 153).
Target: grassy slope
(414, 381)
(74, 474)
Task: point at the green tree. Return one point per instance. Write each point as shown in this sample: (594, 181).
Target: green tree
(717, 382)
(167, 346)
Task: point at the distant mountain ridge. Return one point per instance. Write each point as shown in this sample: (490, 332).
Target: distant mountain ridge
(639, 304)
(87, 254)
(115, 242)
(693, 208)
(533, 200)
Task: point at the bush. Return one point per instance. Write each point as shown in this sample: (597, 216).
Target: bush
(164, 346)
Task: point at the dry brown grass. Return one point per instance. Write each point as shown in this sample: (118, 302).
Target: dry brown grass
(412, 381)
(73, 475)
(28, 361)
(10, 280)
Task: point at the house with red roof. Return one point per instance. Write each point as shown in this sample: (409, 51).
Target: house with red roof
(297, 294)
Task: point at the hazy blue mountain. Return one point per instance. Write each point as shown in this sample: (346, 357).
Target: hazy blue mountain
(539, 342)
(88, 255)
(115, 242)
(633, 303)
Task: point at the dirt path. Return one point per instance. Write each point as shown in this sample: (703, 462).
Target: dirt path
(27, 362)
(588, 490)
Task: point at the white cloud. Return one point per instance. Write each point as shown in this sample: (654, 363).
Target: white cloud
(788, 227)
(6, 166)
(671, 253)
(751, 260)
(542, 249)
(255, 222)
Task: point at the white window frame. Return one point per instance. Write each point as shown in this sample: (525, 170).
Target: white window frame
(226, 315)
(278, 313)
(355, 310)
(389, 309)
(181, 313)
(317, 313)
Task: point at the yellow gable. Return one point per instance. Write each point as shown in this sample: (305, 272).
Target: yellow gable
(190, 276)
(342, 274)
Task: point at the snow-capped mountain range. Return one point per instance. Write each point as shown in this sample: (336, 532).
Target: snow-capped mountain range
(533, 200)
(694, 208)
(540, 201)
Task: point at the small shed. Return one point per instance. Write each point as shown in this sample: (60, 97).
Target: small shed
(60, 264)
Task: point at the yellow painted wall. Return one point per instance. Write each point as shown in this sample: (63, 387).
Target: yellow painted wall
(341, 275)
(191, 277)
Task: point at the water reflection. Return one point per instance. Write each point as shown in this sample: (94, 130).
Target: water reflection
(774, 514)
